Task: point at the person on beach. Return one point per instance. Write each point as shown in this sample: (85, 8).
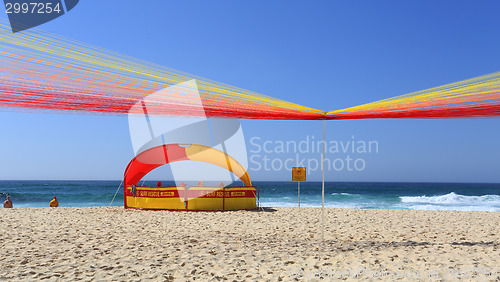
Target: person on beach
(159, 184)
(7, 203)
(54, 203)
(133, 190)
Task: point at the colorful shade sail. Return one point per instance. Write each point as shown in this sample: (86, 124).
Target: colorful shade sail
(42, 71)
(477, 97)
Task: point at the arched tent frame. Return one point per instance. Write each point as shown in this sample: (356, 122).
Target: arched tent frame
(158, 156)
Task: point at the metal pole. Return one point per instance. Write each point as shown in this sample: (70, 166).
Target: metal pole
(299, 193)
(323, 186)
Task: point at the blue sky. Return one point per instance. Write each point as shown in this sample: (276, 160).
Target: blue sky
(322, 54)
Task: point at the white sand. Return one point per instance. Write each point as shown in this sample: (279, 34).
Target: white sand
(118, 244)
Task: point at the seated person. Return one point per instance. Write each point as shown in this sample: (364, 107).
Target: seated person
(54, 203)
(7, 203)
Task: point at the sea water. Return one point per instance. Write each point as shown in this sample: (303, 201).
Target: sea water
(367, 195)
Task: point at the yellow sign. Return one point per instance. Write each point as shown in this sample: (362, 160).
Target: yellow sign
(298, 174)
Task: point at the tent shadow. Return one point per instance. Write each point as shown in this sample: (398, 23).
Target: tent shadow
(264, 209)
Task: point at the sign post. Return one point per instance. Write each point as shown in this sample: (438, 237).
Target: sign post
(299, 174)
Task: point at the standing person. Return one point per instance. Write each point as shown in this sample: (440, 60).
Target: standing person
(7, 203)
(54, 203)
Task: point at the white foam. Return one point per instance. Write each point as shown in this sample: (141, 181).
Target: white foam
(351, 205)
(452, 201)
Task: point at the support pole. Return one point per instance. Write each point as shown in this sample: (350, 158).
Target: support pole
(224, 198)
(299, 193)
(323, 186)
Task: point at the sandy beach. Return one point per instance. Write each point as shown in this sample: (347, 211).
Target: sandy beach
(111, 243)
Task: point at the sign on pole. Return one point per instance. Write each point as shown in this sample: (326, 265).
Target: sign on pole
(299, 174)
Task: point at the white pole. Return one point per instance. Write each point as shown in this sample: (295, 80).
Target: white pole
(323, 186)
(299, 193)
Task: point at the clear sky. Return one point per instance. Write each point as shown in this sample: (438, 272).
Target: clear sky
(322, 54)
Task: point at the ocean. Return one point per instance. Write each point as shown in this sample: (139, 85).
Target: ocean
(376, 195)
